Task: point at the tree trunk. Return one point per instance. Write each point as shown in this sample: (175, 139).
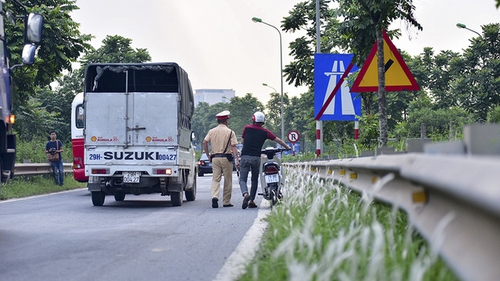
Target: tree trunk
(382, 99)
(367, 101)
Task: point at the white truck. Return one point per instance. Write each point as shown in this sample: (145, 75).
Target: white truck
(137, 131)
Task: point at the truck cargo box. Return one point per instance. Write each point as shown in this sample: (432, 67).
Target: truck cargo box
(137, 131)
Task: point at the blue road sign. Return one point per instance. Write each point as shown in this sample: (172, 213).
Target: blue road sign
(328, 69)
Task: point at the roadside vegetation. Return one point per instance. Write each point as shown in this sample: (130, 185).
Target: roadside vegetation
(322, 231)
(24, 186)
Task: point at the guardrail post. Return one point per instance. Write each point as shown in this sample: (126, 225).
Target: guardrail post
(423, 131)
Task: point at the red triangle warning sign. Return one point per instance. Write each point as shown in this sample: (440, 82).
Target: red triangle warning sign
(397, 74)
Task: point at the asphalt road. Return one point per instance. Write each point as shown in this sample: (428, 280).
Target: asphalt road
(64, 237)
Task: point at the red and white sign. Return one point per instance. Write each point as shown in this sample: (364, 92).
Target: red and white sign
(293, 136)
(397, 74)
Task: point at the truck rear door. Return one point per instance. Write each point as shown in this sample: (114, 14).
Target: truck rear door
(105, 119)
(143, 119)
(153, 119)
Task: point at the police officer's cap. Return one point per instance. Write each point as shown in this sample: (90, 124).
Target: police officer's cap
(223, 115)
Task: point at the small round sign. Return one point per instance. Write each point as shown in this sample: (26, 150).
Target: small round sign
(293, 136)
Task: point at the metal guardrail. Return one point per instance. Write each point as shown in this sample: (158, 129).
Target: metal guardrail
(452, 200)
(27, 169)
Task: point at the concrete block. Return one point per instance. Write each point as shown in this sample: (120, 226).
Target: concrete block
(482, 139)
(367, 153)
(416, 145)
(448, 147)
(384, 150)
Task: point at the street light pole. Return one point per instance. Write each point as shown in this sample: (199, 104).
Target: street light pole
(264, 84)
(258, 20)
(461, 25)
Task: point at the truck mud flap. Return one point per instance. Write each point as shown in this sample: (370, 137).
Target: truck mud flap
(190, 181)
(172, 188)
(94, 186)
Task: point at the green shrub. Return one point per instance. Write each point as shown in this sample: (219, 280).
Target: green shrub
(34, 151)
(24, 186)
(323, 231)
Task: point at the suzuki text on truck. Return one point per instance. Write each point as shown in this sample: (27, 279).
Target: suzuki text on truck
(137, 131)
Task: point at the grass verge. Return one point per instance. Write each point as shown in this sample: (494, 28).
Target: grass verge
(24, 186)
(322, 231)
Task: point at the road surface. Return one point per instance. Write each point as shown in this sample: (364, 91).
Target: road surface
(63, 236)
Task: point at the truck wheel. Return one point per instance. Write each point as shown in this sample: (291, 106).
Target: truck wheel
(176, 198)
(119, 196)
(191, 194)
(98, 198)
(200, 174)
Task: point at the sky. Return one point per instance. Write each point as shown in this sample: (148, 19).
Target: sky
(220, 47)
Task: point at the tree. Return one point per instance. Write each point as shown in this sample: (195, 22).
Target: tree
(203, 120)
(494, 115)
(469, 80)
(362, 24)
(440, 124)
(301, 116)
(363, 19)
(300, 70)
(299, 113)
(114, 49)
(435, 74)
(61, 45)
(303, 18)
(368, 131)
(477, 85)
(273, 114)
(241, 114)
(37, 121)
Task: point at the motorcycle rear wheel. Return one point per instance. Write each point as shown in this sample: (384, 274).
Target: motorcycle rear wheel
(274, 198)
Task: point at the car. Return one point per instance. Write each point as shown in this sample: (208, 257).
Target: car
(204, 166)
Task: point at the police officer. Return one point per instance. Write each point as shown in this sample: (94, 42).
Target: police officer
(223, 143)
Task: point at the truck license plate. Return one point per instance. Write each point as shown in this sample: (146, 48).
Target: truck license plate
(272, 178)
(131, 177)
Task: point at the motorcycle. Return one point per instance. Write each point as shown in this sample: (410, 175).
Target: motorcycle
(271, 178)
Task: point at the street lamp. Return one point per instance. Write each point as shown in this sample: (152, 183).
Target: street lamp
(264, 84)
(258, 20)
(461, 25)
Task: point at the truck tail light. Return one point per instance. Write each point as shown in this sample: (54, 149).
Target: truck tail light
(100, 171)
(167, 171)
(77, 163)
